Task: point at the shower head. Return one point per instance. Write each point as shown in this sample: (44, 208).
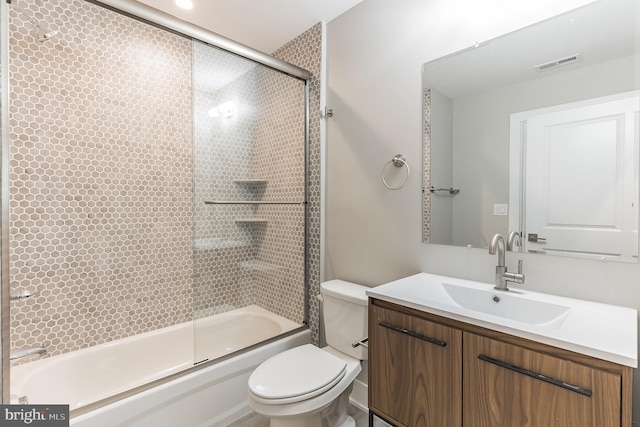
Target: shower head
(43, 32)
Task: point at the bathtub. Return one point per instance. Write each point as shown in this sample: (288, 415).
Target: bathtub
(209, 396)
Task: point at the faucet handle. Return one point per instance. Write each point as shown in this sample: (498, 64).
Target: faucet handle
(22, 295)
(515, 277)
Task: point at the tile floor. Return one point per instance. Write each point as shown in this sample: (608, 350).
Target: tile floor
(255, 420)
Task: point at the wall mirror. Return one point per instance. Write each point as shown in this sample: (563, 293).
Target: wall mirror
(534, 134)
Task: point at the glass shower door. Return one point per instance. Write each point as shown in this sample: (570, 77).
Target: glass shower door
(249, 196)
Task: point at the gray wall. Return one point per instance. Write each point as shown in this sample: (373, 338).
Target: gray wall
(373, 235)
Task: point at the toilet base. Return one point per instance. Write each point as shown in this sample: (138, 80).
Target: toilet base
(333, 415)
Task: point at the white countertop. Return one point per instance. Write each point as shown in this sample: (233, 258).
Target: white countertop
(603, 331)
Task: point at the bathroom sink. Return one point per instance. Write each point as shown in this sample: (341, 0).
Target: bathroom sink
(505, 304)
(604, 331)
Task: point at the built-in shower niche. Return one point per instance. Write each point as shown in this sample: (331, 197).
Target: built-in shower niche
(251, 191)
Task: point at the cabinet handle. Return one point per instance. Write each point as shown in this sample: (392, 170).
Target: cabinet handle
(413, 334)
(566, 386)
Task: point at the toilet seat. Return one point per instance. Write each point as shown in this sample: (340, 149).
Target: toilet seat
(296, 375)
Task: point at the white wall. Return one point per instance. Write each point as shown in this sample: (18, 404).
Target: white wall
(373, 235)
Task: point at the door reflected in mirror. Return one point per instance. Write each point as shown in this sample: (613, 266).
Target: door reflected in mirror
(537, 133)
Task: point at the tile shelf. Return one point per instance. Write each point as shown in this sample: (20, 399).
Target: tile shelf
(250, 181)
(251, 220)
(253, 202)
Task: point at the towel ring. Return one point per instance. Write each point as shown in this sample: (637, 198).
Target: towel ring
(398, 161)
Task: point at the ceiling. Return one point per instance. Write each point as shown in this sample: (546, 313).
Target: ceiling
(264, 25)
(510, 59)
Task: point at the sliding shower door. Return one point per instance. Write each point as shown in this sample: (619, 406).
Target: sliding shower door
(154, 193)
(249, 202)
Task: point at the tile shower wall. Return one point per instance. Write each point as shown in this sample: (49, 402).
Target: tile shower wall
(101, 166)
(306, 51)
(101, 177)
(279, 157)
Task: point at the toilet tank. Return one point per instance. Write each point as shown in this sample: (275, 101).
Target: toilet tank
(345, 316)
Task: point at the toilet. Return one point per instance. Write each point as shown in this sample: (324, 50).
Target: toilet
(308, 386)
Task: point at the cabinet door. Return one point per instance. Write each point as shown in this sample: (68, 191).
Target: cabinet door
(507, 385)
(414, 370)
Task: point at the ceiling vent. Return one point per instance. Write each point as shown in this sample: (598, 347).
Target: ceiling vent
(559, 62)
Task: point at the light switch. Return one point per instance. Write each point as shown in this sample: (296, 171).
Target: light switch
(500, 209)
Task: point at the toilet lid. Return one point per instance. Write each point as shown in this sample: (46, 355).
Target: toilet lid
(304, 371)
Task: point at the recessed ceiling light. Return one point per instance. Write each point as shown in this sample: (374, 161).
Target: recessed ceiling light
(184, 4)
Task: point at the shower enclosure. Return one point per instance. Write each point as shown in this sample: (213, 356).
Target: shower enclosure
(153, 179)
(249, 189)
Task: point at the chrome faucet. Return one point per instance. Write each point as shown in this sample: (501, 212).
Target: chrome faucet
(19, 354)
(514, 240)
(502, 275)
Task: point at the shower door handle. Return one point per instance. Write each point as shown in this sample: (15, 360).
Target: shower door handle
(253, 202)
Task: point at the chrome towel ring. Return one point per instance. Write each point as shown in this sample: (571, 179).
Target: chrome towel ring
(398, 161)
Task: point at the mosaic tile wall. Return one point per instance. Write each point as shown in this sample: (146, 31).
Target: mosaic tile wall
(305, 51)
(101, 163)
(426, 173)
(101, 177)
(279, 158)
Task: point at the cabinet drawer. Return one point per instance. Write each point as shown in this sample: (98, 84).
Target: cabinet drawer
(507, 385)
(414, 369)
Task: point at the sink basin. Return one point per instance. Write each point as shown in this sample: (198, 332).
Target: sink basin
(503, 304)
(598, 330)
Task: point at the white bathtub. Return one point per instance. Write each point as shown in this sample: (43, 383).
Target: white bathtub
(203, 398)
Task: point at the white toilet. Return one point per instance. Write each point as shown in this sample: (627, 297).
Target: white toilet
(309, 386)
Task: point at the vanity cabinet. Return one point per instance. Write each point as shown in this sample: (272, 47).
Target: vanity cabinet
(415, 365)
(508, 385)
(484, 378)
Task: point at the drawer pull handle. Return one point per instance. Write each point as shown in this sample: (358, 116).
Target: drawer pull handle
(413, 334)
(536, 375)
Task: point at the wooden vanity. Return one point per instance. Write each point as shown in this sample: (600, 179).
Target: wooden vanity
(430, 370)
